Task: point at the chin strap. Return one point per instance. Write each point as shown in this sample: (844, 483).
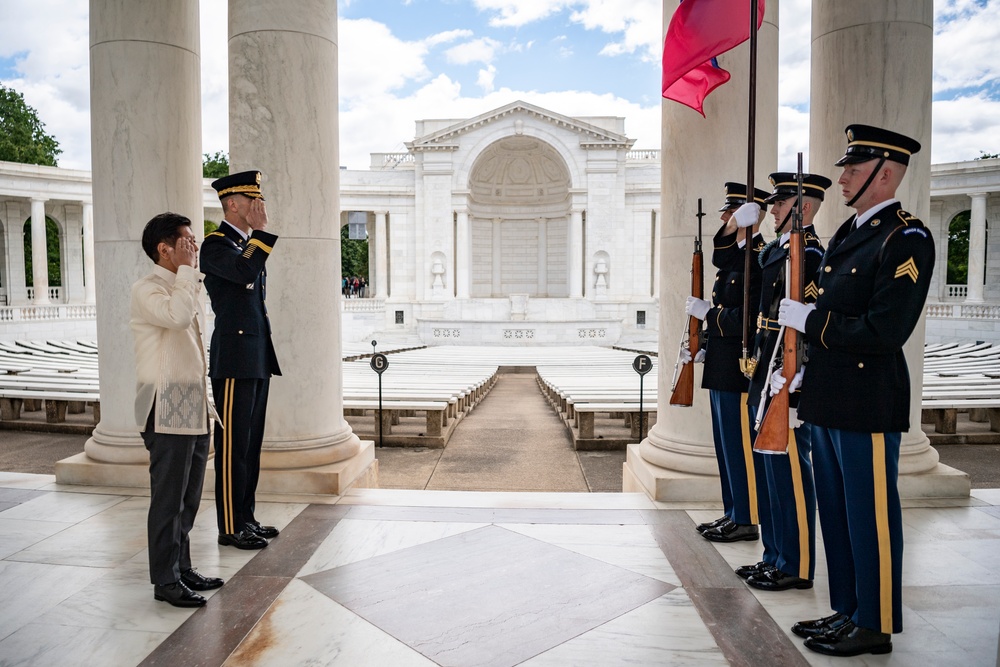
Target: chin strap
(871, 177)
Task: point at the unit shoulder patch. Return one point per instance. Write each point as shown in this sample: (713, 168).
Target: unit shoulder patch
(920, 231)
(908, 269)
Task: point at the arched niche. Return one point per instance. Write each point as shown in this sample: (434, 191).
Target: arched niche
(519, 208)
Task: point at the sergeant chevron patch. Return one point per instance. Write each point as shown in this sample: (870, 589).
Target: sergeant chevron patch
(811, 292)
(908, 268)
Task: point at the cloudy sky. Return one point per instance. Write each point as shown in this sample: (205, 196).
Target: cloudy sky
(403, 60)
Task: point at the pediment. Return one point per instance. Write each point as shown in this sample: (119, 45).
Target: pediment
(590, 135)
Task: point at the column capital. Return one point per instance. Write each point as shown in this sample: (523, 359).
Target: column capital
(39, 200)
(382, 212)
(979, 195)
(462, 210)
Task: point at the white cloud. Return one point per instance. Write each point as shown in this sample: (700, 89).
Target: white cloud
(447, 36)
(516, 13)
(965, 44)
(638, 22)
(486, 77)
(964, 127)
(482, 50)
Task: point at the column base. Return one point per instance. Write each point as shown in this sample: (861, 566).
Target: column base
(358, 471)
(665, 485)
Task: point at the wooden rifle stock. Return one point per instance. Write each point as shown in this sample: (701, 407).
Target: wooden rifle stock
(773, 434)
(683, 391)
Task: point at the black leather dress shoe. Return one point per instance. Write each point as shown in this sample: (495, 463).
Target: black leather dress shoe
(820, 626)
(702, 527)
(178, 595)
(760, 567)
(776, 580)
(196, 581)
(245, 539)
(262, 531)
(851, 640)
(732, 532)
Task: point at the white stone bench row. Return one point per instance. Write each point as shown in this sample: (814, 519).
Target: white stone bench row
(961, 377)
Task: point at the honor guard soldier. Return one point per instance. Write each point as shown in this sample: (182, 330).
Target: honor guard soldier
(241, 358)
(790, 491)
(873, 282)
(723, 376)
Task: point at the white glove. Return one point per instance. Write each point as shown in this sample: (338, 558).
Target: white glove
(793, 418)
(778, 381)
(747, 215)
(793, 314)
(696, 307)
(699, 356)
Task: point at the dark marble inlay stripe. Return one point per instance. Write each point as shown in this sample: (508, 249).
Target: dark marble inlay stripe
(744, 631)
(20, 495)
(213, 632)
(491, 515)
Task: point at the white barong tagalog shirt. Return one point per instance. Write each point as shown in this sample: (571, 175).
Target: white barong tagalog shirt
(170, 361)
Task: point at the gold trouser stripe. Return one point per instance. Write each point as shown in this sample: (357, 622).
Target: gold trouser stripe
(882, 528)
(748, 458)
(800, 504)
(227, 460)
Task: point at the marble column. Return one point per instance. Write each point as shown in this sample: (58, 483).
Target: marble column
(39, 254)
(71, 251)
(575, 243)
(894, 93)
(88, 253)
(657, 230)
(17, 282)
(497, 257)
(463, 253)
(977, 248)
(699, 154)
(543, 257)
(381, 256)
(145, 95)
(283, 120)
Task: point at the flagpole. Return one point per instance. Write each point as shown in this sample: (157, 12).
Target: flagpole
(751, 141)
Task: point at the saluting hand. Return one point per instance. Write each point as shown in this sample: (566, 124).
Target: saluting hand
(185, 252)
(257, 215)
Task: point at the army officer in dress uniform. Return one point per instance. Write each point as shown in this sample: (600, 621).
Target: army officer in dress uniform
(790, 492)
(241, 359)
(742, 484)
(856, 391)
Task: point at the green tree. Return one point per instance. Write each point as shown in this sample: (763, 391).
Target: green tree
(983, 155)
(52, 249)
(210, 227)
(353, 256)
(22, 135)
(215, 166)
(958, 249)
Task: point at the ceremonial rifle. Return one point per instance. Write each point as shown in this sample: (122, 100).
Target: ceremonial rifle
(683, 386)
(746, 364)
(772, 432)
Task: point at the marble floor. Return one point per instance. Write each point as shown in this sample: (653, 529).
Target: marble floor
(399, 578)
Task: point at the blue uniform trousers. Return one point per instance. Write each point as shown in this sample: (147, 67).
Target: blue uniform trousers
(242, 407)
(862, 524)
(744, 472)
(792, 498)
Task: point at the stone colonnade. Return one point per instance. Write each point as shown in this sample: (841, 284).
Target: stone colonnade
(75, 219)
(146, 129)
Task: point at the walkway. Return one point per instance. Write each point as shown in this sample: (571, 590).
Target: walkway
(512, 441)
